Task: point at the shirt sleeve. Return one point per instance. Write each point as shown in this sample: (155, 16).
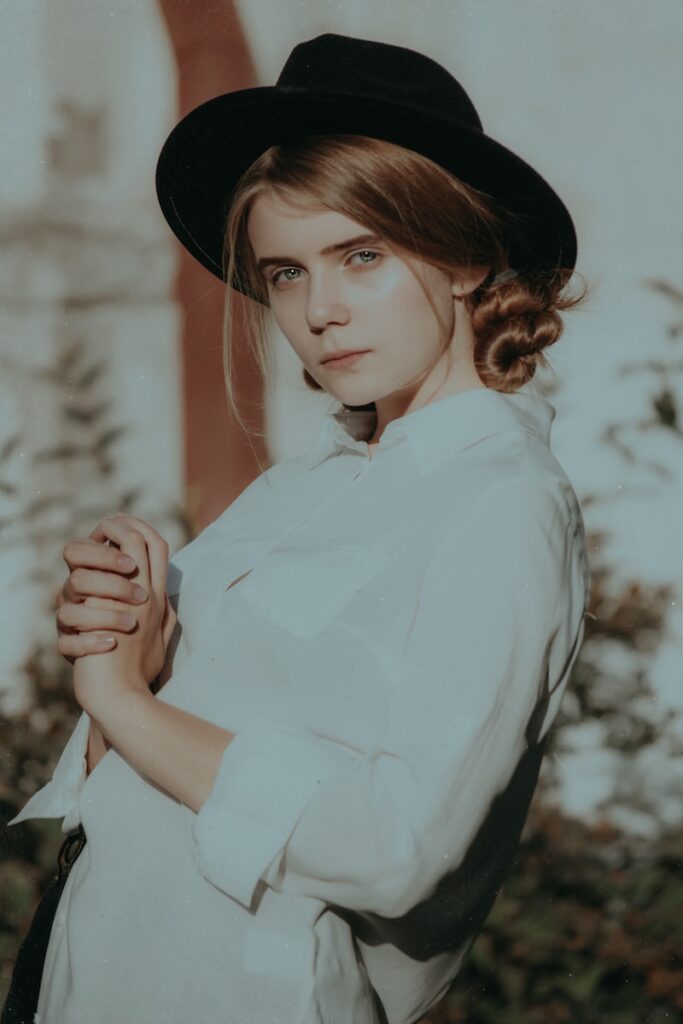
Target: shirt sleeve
(59, 796)
(498, 623)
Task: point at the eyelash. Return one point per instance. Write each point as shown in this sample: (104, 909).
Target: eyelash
(273, 279)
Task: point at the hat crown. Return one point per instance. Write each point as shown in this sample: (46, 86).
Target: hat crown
(379, 71)
(340, 85)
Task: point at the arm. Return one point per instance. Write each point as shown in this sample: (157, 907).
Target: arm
(496, 630)
(87, 745)
(375, 829)
(175, 749)
(97, 747)
(98, 744)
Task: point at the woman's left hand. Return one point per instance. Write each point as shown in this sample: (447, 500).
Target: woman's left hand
(139, 655)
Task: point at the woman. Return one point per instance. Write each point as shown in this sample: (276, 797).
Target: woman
(308, 795)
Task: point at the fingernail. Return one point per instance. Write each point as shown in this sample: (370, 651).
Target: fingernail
(105, 641)
(139, 593)
(126, 562)
(128, 620)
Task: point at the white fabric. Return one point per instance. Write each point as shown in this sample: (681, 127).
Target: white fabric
(406, 619)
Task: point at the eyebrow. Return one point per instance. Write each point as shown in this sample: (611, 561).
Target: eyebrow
(268, 261)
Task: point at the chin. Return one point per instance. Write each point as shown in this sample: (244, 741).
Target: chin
(355, 398)
(349, 392)
(359, 406)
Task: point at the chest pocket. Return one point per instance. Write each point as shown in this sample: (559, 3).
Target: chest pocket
(302, 590)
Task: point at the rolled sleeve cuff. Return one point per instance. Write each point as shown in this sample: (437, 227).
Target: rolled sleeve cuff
(266, 777)
(59, 797)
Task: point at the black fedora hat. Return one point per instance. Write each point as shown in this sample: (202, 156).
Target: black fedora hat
(335, 84)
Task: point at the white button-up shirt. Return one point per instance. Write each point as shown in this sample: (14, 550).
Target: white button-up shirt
(390, 665)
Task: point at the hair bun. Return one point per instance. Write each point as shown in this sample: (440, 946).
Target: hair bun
(514, 318)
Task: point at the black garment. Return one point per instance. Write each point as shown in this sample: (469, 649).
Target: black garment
(22, 998)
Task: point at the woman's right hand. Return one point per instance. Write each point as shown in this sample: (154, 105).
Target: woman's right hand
(88, 611)
(88, 604)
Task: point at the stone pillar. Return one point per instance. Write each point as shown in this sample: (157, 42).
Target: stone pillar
(212, 57)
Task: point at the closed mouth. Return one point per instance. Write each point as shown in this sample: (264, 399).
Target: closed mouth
(344, 355)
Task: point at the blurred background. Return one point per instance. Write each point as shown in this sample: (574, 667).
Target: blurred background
(111, 399)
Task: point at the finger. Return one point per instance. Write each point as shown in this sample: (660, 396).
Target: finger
(79, 617)
(77, 644)
(91, 554)
(170, 621)
(92, 582)
(157, 551)
(130, 541)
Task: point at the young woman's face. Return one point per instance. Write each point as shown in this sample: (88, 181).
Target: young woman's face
(330, 293)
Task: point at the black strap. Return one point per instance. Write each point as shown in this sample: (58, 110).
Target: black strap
(22, 999)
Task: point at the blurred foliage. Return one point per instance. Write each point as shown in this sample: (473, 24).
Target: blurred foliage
(75, 472)
(663, 414)
(29, 747)
(588, 928)
(628, 618)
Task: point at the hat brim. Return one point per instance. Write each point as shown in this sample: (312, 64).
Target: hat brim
(210, 148)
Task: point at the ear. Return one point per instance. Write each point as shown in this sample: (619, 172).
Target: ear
(466, 280)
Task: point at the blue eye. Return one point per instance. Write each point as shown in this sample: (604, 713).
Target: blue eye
(274, 278)
(367, 252)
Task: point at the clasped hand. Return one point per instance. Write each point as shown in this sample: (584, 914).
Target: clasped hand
(101, 600)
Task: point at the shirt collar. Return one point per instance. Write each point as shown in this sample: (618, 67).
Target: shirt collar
(441, 428)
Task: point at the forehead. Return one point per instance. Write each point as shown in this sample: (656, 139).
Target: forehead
(274, 224)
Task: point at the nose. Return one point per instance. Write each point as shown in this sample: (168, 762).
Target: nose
(324, 304)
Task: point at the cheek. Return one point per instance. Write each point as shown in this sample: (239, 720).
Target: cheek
(408, 315)
(291, 324)
(307, 353)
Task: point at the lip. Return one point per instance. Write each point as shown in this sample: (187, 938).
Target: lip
(344, 358)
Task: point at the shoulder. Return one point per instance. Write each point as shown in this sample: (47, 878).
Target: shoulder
(515, 471)
(516, 503)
